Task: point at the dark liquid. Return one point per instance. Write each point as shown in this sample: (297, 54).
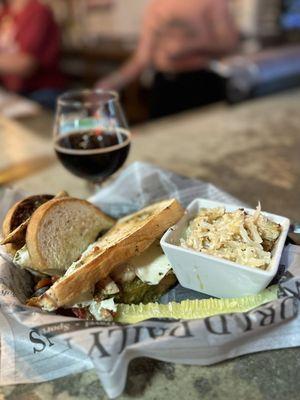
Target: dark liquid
(78, 152)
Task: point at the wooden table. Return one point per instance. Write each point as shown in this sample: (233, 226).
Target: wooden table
(252, 151)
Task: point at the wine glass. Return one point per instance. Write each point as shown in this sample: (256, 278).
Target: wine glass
(91, 135)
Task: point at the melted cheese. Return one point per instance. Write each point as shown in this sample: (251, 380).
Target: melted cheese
(97, 309)
(152, 265)
(22, 258)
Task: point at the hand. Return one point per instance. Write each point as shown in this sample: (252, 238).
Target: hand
(110, 82)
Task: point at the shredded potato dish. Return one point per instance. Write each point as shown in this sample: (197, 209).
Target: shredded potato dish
(236, 236)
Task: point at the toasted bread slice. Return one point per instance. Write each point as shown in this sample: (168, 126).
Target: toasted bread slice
(60, 230)
(129, 237)
(18, 215)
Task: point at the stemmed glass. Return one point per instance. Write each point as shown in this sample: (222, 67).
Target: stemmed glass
(91, 135)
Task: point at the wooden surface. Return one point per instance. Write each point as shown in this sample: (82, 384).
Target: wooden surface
(19, 144)
(252, 151)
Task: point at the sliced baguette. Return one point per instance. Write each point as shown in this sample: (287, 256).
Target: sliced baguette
(60, 230)
(18, 216)
(129, 237)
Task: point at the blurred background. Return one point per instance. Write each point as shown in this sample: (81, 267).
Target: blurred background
(163, 56)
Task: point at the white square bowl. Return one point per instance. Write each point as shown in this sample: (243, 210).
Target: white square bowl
(216, 276)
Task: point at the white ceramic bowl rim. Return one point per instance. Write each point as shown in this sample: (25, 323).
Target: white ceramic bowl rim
(255, 270)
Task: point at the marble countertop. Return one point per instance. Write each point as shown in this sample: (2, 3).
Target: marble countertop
(252, 151)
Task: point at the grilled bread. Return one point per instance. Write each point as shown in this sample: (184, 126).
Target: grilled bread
(60, 230)
(131, 236)
(16, 221)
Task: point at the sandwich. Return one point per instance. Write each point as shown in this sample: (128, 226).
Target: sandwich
(57, 232)
(88, 262)
(17, 219)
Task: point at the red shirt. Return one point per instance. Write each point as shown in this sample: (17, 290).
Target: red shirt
(32, 31)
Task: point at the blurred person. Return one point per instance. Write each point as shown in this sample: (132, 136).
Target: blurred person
(179, 39)
(29, 51)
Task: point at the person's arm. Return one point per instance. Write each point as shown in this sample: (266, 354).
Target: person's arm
(132, 69)
(20, 64)
(128, 73)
